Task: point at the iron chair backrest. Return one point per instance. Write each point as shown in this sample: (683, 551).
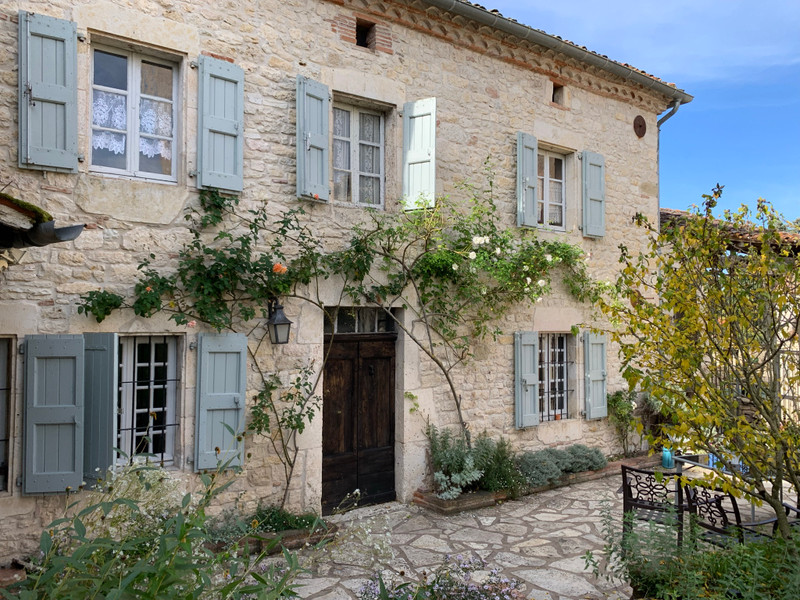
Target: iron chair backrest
(646, 493)
(718, 513)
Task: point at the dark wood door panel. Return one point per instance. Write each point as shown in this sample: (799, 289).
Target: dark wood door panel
(358, 420)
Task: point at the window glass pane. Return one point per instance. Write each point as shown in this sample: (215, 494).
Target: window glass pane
(341, 185)
(143, 373)
(370, 128)
(555, 210)
(156, 80)
(5, 389)
(369, 190)
(155, 117)
(347, 321)
(341, 154)
(369, 159)
(108, 149)
(110, 70)
(556, 168)
(555, 215)
(341, 122)
(143, 351)
(110, 110)
(155, 156)
(540, 163)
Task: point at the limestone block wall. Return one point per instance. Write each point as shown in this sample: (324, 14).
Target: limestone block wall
(487, 85)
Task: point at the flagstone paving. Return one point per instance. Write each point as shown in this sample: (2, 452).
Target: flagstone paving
(539, 539)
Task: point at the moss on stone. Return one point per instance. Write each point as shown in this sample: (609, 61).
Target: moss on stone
(38, 215)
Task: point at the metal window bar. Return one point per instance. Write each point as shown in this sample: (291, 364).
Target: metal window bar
(148, 385)
(5, 394)
(553, 377)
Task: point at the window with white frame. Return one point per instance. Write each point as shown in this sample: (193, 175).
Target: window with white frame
(359, 320)
(358, 155)
(5, 396)
(134, 114)
(148, 389)
(553, 376)
(550, 203)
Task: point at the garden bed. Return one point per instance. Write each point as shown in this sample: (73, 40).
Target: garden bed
(482, 499)
(291, 539)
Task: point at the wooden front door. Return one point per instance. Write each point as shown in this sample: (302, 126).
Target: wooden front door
(358, 419)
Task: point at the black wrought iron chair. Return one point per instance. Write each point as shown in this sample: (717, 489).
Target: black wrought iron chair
(651, 496)
(716, 519)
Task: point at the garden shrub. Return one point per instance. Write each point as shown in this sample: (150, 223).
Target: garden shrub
(100, 548)
(496, 460)
(583, 458)
(650, 559)
(450, 581)
(453, 463)
(560, 458)
(232, 525)
(538, 468)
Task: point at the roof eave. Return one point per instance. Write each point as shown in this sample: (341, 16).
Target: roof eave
(524, 32)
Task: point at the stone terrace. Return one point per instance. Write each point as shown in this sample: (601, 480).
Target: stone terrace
(539, 539)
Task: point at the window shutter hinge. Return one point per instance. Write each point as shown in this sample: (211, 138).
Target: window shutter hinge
(189, 461)
(81, 158)
(19, 481)
(194, 64)
(192, 173)
(81, 37)
(22, 348)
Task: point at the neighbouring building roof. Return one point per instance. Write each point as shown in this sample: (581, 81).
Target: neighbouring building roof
(738, 237)
(495, 19)
(23, 224)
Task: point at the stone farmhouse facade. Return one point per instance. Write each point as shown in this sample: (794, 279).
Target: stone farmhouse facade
(117, 113)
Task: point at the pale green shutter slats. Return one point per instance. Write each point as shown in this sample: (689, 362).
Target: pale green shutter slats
(53, 443)
(221, 387)
(419, 154)
(101, 368)
(48, 93)
(594, 357)
(526, 379)
(527, 177)
(594, 194)
(221, 125)
(313, 133)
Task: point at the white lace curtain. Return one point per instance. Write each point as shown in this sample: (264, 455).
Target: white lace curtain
(155, 118)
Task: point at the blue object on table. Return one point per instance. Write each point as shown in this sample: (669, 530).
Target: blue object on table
(667, 460)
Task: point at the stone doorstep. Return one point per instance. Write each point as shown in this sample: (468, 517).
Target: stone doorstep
(481, 499)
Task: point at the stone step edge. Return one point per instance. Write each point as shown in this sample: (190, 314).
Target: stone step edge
(481, 499)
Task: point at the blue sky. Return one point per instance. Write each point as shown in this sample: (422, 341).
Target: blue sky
(741, 62)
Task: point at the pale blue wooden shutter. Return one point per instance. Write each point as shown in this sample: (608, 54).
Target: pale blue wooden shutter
(527, 176)
(594, 194)
(221, 387)
(53, 445)
(101, 369)
(313, 139)
(48, 93)
(419, 154)
(594, 357)
(526, 379)
(220, 129)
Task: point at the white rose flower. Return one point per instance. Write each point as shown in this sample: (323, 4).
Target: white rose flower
(548, 258)
(472, 256)
(541, 283)
(455, 267)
